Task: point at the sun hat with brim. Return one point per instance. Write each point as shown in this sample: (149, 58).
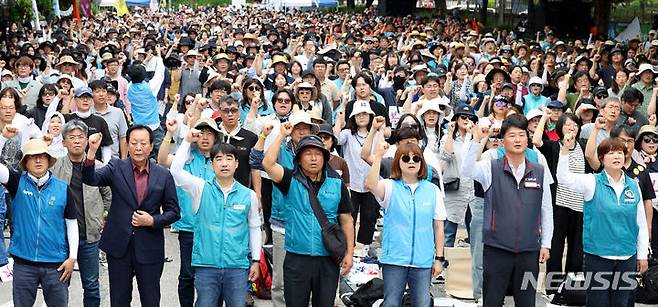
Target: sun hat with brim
(207, 122)
(302, 117)
(67, 59)
(311, 141)
(279, 59)
(584, 58)
(646, 129)
(191, 52)
(36, 147)
(534, 113)
(645, 67)
(212, 77)
(361, 106)
(221, 56)
(430, 105)
(108, 57)
(493, 72)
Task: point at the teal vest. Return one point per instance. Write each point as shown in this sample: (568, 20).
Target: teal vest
(408, 238)
(38, 219)
(198, 167)
(303, 231)
(286, 159)
(221, 232)
(532, 102)
(610, 223)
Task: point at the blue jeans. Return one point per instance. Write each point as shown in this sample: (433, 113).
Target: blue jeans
(396, 279)
(609, 296)
(449, 233)
(27, 279)
(213, 283)
(88, 264)
(477, 247)
(158, 136)
(186, 273)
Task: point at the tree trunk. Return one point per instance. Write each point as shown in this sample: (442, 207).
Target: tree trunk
(440, 5)
(483, 12)
(603, 15)
(369, 3)
(501, 12)
(351, 4)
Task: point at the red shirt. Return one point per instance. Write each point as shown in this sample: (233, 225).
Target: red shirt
(141, 182)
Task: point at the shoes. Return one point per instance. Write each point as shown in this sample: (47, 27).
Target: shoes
(250, 300)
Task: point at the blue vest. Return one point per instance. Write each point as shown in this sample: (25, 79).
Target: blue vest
(39, 224)
(408, 238)
(286, 159)
(303, 231)
(221, 232)
(531, 102)
(144, 104)
(610, 224)
(198, 167)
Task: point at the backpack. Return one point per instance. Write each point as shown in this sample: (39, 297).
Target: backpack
(263, 285)
(368, 294)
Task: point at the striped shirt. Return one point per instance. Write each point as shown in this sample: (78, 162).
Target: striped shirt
(565, 196)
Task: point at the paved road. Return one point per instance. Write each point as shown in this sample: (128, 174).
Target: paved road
(168, 285)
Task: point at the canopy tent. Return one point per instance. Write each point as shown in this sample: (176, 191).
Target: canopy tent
(301, 3)
(105, 3)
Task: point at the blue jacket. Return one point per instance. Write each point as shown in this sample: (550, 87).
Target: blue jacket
(3, 212)
(160, 201)
(38, 218)
(286, 159)
(200, 167)
(221, 234)
(610, 223)
(408, 238)
(303, 231)
(146, 111)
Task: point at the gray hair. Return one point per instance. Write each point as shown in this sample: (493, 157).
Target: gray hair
(73, 125)
(609, 100)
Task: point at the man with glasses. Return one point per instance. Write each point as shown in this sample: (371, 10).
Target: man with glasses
(241, 138)
(631, 100)
(90, 202)
(328, 88)
(609, 113)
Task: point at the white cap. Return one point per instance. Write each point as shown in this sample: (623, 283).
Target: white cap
(430, 105)
(361, 106)
(534, 113)
(535, 80)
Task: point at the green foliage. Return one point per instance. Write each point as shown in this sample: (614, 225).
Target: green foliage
(23, 10)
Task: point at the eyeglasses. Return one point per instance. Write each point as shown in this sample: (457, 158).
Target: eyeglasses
(253, 88)
(75, 137)
(189, 101)
(282, 100)
(627, 140)
(407, 158)
(231, 110)
(650, 139)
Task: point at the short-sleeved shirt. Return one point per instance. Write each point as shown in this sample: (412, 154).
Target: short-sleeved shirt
(117, 125)
(95, 124)
(640, 173)
(345, 206)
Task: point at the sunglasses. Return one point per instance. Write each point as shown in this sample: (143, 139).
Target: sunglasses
(189, 101)
(49, 94)
(650, 139)
(282, 100)
(500, 103)
(254, 88)
(231, 110)
(601, 96)
(464, 117)
(407, 158)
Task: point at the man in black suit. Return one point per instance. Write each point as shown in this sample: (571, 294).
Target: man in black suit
(144, 202)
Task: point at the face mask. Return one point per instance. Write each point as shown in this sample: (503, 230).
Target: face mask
(24, 79)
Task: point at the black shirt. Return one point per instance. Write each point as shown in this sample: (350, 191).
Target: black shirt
(95, 124)
(76, 189)
(640, 173)
(244, 146)
(345, 206)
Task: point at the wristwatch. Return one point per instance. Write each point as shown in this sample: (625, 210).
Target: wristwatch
(255, 261)
(440, 258)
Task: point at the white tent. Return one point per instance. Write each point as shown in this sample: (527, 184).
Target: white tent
(278, 4)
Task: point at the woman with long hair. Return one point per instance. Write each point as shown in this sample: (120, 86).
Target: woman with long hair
(47, 94)
(412, 243)
(459, 88)
(253, 94)
(619, 83)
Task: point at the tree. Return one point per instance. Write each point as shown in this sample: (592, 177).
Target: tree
(440, 5)
(603, 8)
(483, 11)
(351, 4)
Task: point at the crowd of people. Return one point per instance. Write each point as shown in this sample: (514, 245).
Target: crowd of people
(244, 128)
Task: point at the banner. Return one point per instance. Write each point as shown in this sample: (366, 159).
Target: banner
(121, 7)
(632, 30)
(85, 6)
(76, 11)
